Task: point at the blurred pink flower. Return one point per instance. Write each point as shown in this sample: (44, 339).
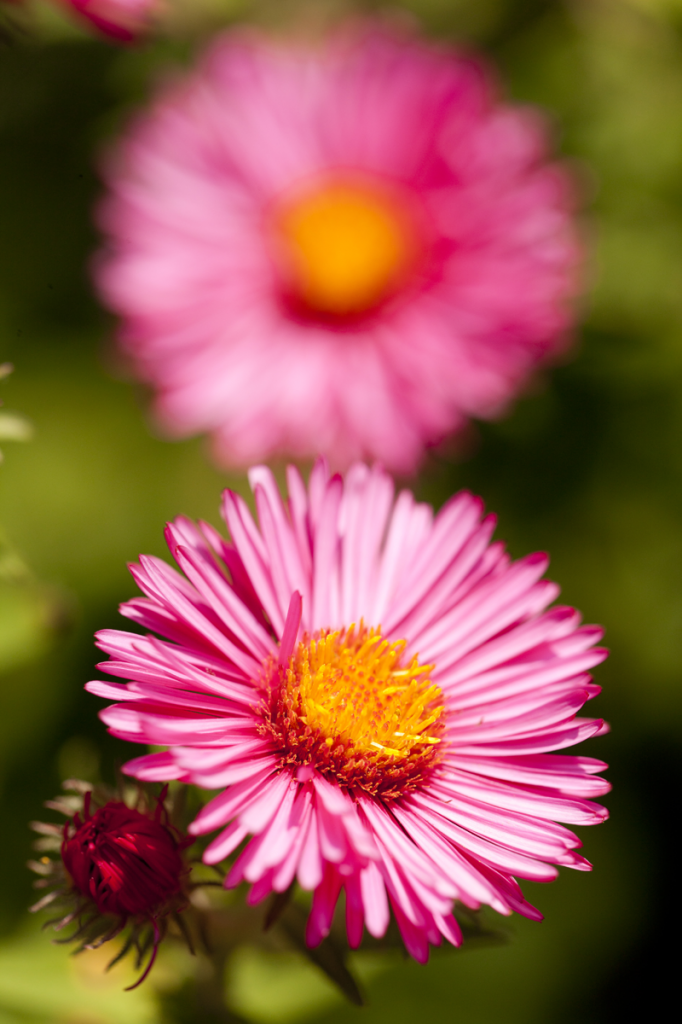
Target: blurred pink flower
(122, 20)
(347, 251)
(376, 692)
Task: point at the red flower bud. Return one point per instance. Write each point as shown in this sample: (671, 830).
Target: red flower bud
(121, 869)
(127, 863)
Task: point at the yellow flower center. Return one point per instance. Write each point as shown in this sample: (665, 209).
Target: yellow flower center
(351, 707)
(344, 247)
(351, 690)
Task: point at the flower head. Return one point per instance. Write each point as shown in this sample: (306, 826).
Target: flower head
(127, 863)
(119, 865)
(377, 692)
(351, 249)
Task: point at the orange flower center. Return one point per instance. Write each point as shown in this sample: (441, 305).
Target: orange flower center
(344, 247)
(350, 707)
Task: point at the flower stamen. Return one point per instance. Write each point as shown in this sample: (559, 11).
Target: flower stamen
(338, 706)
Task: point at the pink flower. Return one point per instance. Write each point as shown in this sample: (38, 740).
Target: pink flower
(122, 20)
(377, 693)
(349, 250)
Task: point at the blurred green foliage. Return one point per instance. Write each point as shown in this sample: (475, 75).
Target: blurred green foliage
(589, 467)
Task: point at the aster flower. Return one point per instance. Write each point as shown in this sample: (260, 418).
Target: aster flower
(119, 867)
(349, 250)
(377, 692)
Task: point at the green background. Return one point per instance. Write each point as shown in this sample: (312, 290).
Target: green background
(588, 467)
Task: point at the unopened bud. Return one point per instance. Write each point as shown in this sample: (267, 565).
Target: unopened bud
(120, 867)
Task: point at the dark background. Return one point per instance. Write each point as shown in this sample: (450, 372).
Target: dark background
(588, 467)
